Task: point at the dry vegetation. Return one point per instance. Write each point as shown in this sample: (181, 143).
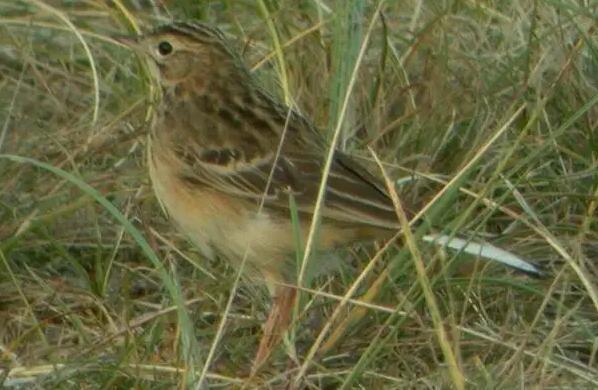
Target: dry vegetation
(83, 305)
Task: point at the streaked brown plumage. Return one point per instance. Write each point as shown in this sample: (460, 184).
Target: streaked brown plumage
(213, 161)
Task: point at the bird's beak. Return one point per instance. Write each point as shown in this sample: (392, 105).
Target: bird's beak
(130, 41)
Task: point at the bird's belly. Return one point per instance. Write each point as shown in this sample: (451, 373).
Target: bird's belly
(216, 222)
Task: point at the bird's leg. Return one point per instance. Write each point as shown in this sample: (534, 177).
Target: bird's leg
(276, 324)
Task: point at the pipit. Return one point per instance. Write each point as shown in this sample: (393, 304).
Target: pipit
(226, 156)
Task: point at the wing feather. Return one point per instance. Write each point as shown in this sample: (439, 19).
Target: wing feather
(353, 194)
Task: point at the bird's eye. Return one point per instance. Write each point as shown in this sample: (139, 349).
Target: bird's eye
(164, 48)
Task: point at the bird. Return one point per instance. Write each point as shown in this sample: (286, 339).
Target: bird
(226, 156)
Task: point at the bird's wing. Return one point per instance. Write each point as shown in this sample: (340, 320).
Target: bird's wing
(352, 193)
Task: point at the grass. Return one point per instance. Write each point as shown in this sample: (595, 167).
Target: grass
(490, 104)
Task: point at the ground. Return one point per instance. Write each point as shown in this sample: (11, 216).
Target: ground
(492, 104)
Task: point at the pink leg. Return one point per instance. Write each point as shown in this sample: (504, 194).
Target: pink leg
(276, 324)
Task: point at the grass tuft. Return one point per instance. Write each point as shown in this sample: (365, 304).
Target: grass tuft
(485, 112)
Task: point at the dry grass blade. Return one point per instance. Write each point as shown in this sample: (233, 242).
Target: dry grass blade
(92, 64)
(450, 354)
(483, 115)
